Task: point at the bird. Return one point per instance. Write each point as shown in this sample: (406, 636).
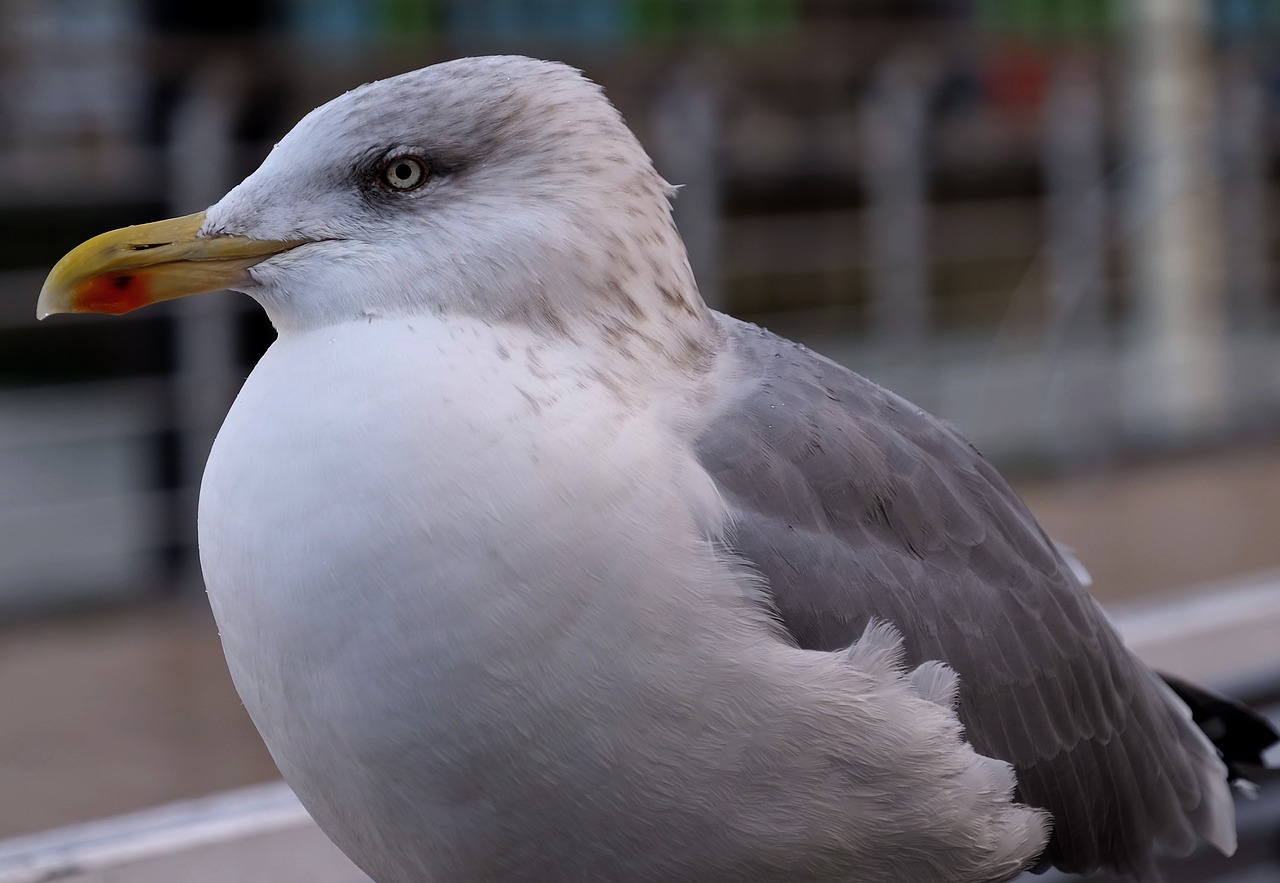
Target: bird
(529, 566)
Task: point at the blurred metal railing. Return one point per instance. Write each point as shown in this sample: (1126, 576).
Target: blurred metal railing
(82, 514)
(1065, 377)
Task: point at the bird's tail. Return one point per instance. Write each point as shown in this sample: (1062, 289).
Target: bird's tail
(1241, 735)
(1221, 737)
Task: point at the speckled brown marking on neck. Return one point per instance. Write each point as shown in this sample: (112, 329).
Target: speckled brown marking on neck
(673, 298)
(534, 361)
(618, 293)
(610, 383)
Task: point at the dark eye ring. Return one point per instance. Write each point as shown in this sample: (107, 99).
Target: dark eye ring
(405, 173)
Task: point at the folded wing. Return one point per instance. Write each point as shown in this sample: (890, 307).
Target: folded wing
(854, 504)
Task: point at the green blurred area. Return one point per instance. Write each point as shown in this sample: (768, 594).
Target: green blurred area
(562, 19)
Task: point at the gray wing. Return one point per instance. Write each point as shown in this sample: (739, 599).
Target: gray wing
(853, 504)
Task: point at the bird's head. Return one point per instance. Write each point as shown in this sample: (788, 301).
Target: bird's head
(504, 188)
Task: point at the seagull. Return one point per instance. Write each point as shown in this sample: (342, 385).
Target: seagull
(528, 566)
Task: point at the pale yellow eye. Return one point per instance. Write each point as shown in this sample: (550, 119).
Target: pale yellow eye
(404, 173)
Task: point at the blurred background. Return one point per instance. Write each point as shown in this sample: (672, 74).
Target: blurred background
(1049, 221)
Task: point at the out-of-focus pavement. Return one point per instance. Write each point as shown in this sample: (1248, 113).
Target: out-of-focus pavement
(118, 711)
(1167, 525)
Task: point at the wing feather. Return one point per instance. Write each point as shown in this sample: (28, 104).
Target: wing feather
(854, 504)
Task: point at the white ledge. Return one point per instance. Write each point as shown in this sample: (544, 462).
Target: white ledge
(255, 834)
(1218, 634)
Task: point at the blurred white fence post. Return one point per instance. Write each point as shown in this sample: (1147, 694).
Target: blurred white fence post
(201, 164)
(1242, 161)
(1081, 409)
(895, 178)
(1242, 167)
(686, 131)
(1077, 199)
(1175, 384)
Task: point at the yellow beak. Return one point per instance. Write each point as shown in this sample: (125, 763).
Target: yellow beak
(135, 266)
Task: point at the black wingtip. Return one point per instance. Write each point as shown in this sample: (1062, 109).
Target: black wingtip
(1241, 735)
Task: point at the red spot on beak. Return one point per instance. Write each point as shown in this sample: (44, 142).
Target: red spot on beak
(113, 293)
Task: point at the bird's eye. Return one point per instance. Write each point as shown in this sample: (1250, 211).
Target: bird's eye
(405, 173)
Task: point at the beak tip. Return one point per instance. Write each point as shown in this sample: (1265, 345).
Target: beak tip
(47, 304)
